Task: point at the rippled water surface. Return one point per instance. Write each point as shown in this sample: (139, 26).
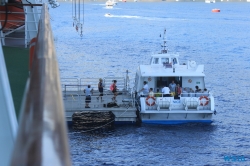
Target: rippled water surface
(111, 45)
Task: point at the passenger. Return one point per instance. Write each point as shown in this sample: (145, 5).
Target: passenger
(144, 89)
(114, 89)
(191, 91)
(151, 93)
(158, 94)
(197, 90)
(88, 92)
(184, 93)
(165, 91)
(172, 87)
(205, 92)
(178, 90)
(100, 88)
(184, 90)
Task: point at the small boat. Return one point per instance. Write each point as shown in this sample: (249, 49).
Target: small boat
(209, 1)
(107, 15)
(110, 3)
(187, 106)
(215, 10)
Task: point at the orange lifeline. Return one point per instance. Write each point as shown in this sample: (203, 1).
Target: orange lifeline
(32, 51)
(204, 102)
(150, 103)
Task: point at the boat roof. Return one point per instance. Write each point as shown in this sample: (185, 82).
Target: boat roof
(165, 64)
(166, 55)
(161, 71)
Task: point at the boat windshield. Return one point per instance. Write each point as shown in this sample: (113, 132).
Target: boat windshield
(156, 61)
(164, 60)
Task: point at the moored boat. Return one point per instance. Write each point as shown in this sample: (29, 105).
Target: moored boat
(215, 10)
(188, 105)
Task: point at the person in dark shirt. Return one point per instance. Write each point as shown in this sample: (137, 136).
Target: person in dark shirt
(100, 88)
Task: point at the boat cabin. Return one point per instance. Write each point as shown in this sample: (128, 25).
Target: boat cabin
(165, 68)
(164, 59)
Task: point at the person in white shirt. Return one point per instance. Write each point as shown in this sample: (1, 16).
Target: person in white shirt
(165, 91)
(145, 89)
(88, 91)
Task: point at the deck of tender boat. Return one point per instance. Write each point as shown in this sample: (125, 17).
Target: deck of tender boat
(74, 101)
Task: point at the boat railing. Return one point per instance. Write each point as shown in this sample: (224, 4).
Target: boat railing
(22, 24)
(183, 95)
(68, 82)
(76, 100)
(75, 84)
(194, 94)
(42, 134)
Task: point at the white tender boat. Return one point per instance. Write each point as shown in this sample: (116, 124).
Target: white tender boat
(184, 108)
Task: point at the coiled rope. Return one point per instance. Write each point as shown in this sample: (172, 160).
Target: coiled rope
(104, 124)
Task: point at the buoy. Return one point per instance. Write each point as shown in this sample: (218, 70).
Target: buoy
(216, 10)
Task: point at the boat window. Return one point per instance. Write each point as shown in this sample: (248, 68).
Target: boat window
(156, 61)
(164, 60)
(174, 61)
(151, 59)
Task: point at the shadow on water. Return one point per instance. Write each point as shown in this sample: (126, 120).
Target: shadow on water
(121, 130)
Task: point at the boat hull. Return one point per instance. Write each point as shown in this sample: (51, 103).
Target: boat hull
(173, 122)
(176, 118)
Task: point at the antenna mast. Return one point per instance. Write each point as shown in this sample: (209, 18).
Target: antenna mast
(164, 50)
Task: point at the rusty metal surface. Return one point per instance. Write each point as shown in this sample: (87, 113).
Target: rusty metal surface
(42, 135)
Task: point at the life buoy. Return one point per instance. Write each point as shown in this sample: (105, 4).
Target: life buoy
(189, 80)
(31, 51)
(205, 102)
(150, 103)
(149, 79)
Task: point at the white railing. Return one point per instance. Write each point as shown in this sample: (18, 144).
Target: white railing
(25, 25)
(42, 134)
(75, 100)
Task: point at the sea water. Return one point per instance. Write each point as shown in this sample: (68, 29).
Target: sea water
(111, 45)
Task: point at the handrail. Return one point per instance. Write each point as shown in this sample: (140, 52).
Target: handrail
(42, 135)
